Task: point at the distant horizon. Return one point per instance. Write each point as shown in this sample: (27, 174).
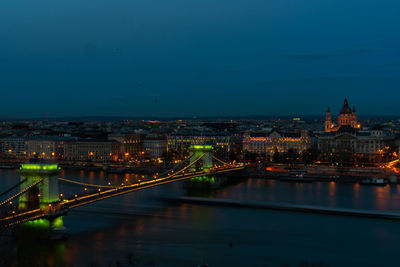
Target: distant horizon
(169, 118)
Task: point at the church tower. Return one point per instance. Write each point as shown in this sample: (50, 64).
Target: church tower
(328, 120)
(354, 118)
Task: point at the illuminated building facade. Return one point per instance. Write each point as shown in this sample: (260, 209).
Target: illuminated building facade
(268, 143)
(42, 147)
(347, 117)
(92, 150)
(131, 144)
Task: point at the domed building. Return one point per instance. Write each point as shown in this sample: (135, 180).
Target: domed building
(348, 144)
(347, 117)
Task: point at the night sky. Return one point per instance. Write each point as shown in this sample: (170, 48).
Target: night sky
(198, 57)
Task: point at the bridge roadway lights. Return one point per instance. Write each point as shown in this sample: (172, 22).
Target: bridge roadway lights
(42, 196)
(197, 151)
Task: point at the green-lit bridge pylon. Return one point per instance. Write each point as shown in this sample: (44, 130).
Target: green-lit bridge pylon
(205, 153)
(40, 180)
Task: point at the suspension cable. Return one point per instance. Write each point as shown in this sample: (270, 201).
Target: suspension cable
(226, 163)
(85, 184)
(13, 187)
(175, 167)
(21, 192)
(186, 166)
(108, 186)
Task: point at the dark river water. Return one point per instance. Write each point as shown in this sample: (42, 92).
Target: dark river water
(141, 229)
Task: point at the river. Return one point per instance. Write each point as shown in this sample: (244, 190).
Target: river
(142, 229)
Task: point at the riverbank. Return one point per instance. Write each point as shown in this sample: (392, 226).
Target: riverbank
(321, 173)
(324, 173)
(289, 207)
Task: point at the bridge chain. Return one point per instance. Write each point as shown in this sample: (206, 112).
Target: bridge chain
(21, 192)
(86, 184)
(186, 166)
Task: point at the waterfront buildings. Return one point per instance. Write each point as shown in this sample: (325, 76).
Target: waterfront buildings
(143, 141)
(130, 144)
(92, 150)
(154, 146)
(45, 147)
(12, 146)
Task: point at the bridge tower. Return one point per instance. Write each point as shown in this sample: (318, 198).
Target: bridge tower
(196, 151)
(42, 195)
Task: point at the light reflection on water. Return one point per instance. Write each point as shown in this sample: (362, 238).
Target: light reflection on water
(166, 234)
(381, 196)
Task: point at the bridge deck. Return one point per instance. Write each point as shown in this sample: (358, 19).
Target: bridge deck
(63, 206)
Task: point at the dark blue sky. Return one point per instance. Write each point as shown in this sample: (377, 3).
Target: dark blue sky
(198, 57)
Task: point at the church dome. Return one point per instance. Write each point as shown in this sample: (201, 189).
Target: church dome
(345, 109)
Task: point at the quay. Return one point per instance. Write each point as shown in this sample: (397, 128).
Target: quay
(326, 173)
(388, 215)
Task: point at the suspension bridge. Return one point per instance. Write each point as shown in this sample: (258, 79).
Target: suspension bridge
(39, 199)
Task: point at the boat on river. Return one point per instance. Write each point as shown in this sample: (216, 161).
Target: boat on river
(9, 166)
(297, 177)
(374, 181)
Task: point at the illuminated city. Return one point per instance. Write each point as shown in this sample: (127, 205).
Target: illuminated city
(199, 134)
